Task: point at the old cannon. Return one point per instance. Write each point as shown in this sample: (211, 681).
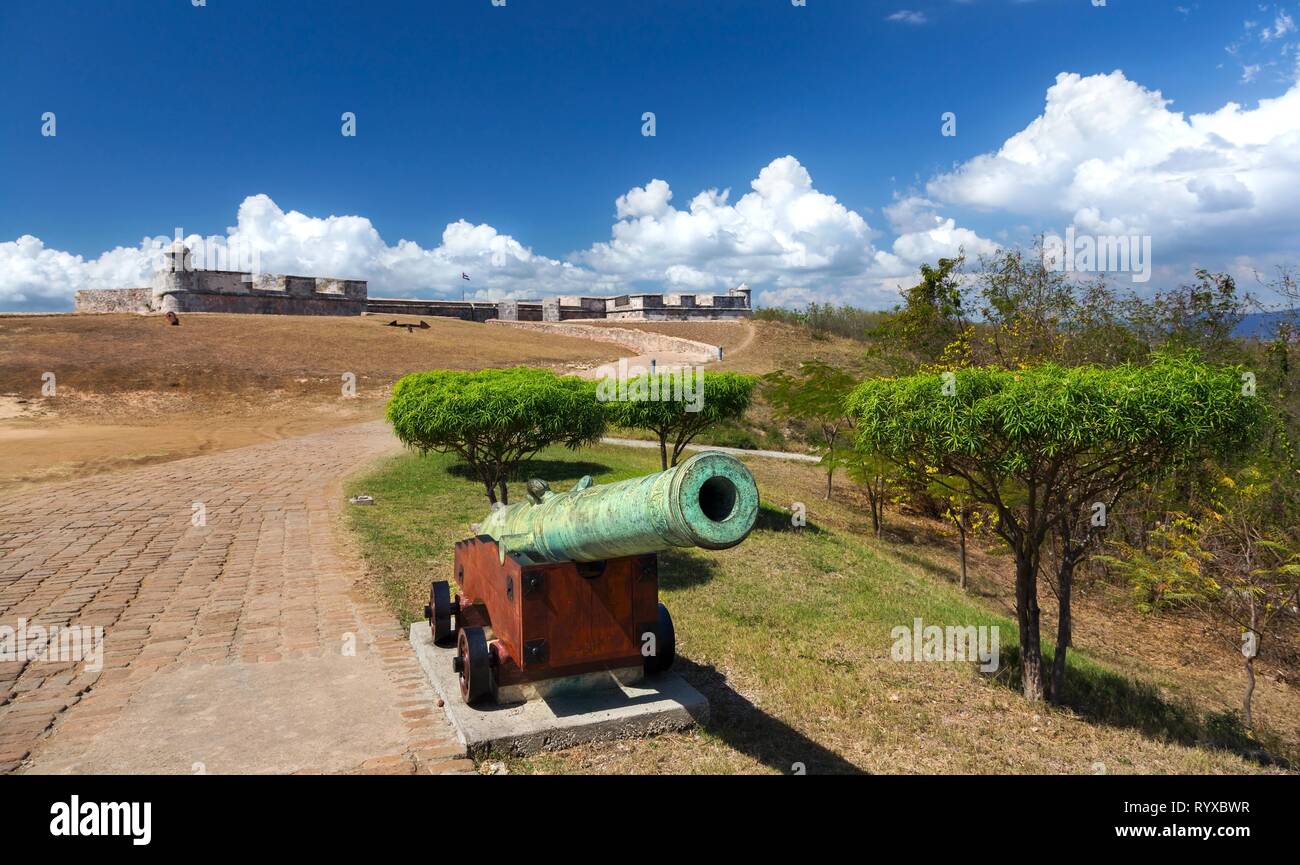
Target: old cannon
(563, 588)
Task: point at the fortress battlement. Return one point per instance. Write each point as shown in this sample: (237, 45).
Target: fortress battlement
(178, 287)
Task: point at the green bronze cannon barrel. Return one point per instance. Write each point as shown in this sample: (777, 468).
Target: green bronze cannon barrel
(709, 501)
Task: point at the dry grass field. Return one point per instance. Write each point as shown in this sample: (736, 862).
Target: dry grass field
(213, 355)
(132, 390)
(782, 346)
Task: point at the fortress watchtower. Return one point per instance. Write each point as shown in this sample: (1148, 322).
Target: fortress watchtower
(176, 275)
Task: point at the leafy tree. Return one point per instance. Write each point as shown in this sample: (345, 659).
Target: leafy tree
(1233, 564)
(815, 396)
(1201, 316)
(659, 403)
(1042, 445)
(1034, 313)
(1096, 329)
(494, 419)
(1025, 304)
(931, 316)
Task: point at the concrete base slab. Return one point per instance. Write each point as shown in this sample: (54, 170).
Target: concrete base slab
(562, 719)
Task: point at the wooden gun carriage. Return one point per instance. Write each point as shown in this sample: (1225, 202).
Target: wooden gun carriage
(563, 588)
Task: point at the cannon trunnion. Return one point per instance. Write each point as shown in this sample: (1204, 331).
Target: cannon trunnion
(538, 611)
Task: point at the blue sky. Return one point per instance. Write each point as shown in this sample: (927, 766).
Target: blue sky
(525, 122)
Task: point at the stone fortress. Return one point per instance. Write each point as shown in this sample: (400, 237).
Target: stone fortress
(179, 287)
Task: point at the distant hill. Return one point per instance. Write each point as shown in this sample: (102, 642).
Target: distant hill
(1259, 324)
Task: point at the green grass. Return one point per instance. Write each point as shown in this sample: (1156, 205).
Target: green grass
(788, 635)
(747, 435)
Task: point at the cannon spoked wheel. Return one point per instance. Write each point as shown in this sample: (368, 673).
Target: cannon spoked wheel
(439, 611)
(665, 644)
(473, 662)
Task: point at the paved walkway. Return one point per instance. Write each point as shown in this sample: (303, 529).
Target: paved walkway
(235, 646)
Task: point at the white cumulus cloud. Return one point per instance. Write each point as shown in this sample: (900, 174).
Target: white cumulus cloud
(33, 276)
(1107, 155)
(350, 246)
(784, 236)
(1110, 156)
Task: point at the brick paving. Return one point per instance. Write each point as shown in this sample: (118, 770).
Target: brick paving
(239, 645)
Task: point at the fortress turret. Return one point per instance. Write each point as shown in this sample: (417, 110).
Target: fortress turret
(176, 274)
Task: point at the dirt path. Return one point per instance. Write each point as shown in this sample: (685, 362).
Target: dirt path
(668, 359)
(237, 645)
(651, 350)
(748, 338)
(37, 450)
(639, 364)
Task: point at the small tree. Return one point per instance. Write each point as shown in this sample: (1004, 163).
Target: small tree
(1042, 445)
(962, 510)
(494, 419)
(1257, 564)
(816, 396)
(931, 316)
(1232, 565)
(1170, 570)
(876, 473)
(1202, 316)
(1025, 304)
(675, 413)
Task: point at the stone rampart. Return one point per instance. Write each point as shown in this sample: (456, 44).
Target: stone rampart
(639, 341)
(112, 300)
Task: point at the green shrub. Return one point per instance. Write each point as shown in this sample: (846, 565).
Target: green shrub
(494, 419)
(681, 413)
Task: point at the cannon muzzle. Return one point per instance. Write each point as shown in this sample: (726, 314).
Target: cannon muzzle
(708, 501)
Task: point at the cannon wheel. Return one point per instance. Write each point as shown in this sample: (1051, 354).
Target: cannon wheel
(475, 666)
(439, 611)
(665, 644)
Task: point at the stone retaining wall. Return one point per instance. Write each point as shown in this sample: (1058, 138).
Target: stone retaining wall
(478, 310)
(262, 303)
(640, 341)
(465, 310)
